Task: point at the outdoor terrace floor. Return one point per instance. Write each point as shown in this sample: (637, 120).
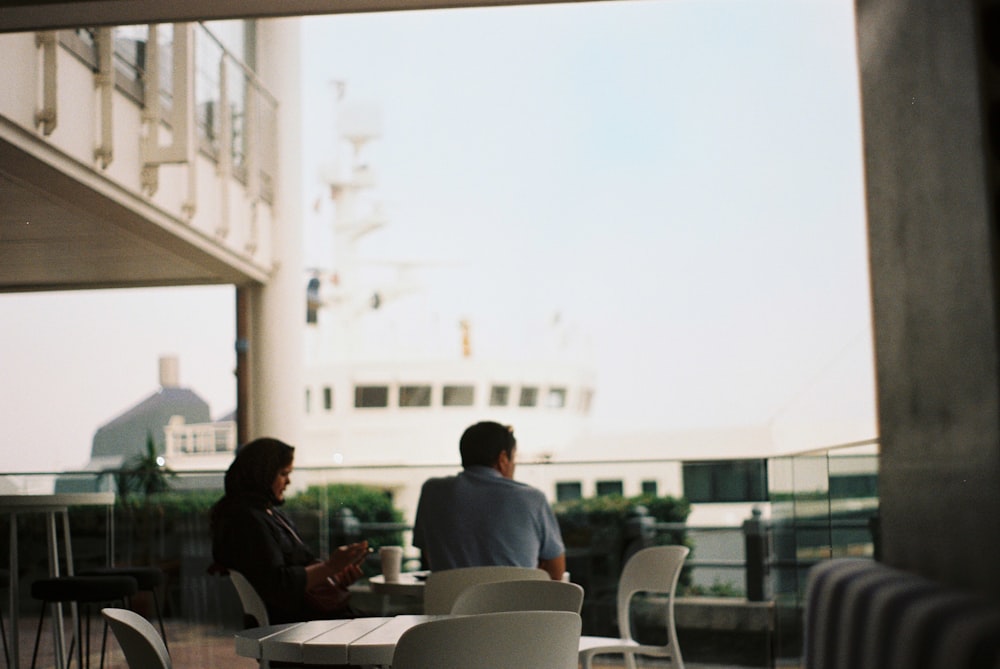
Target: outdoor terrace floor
(209, 646)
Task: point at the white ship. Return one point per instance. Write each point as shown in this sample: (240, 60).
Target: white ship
(390, 383)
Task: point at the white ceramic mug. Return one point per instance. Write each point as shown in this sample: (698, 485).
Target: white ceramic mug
(392, 562)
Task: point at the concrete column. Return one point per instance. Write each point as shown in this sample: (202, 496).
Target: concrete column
(926, 88)
(276, 311)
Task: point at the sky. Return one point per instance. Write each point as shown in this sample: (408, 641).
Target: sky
(680, 180)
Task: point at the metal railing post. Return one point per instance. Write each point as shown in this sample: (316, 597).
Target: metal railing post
(755, 543)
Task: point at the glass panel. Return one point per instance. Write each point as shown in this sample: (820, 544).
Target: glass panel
(499, 396)
(609, 488)
(414, 396)
(556, 399)
(458, 396)
(371, 396)
(567, 490)
(529, 396)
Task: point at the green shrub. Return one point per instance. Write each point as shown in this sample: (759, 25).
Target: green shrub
(368, 504)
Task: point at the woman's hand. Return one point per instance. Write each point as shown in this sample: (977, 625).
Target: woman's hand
(346, 576)
(348, 556)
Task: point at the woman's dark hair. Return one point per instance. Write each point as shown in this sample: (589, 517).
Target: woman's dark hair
(482, 443)
(250, 477)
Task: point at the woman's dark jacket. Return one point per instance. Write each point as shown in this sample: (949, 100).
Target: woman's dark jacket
(248, 536)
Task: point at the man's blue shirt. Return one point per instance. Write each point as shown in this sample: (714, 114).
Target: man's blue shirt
(480, 518)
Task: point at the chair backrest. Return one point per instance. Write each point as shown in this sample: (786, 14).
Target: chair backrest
(534, 595)
(655, 570)
(508, 640)
(443, 587)
(139, 640)
(253, 605)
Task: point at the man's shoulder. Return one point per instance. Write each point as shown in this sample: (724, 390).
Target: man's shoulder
(438, 482)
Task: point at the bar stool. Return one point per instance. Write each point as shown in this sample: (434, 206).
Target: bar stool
(81, 590)
(148, 580)
(4, 578)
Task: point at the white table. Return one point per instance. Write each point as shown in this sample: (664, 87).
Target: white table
(410, 584)
(51, 506)
(358, 641)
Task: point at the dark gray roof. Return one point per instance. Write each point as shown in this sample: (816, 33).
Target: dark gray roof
(126, 434)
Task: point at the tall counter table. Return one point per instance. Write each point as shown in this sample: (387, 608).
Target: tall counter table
(50, 506)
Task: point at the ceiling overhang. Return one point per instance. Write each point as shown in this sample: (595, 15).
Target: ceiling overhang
(63, 226)
(19, 16)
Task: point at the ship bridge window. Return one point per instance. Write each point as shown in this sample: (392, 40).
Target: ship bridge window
(499, 396)
(605, 488)
(725, 481)
(414, 396)
(568, 490)
(327, 398)
(529, 396)
(458, 396)
(371, 397)
(556, 399)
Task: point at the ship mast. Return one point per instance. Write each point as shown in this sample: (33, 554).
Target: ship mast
(339, 296)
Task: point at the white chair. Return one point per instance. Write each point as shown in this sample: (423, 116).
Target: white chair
(140, 642)
(443, 587)
(653, 570)
(508, 640)
(534, 595)
(254, 611)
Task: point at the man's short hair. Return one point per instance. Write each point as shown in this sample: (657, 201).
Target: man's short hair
(482, 443)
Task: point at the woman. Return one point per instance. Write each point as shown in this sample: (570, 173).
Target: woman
(251, 535)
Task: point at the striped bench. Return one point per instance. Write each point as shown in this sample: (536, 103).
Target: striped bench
(861, 614)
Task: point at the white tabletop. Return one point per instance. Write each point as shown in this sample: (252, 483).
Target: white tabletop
(410, 584)
(17, 503)
(358, 641)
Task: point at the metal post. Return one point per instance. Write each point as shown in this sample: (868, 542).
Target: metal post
(755, 543)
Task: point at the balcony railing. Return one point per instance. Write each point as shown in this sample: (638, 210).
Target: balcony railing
(818, 505)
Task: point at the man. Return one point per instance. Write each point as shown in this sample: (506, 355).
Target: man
(483, 516)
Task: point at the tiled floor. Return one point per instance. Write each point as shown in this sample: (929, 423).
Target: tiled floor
(200, 646)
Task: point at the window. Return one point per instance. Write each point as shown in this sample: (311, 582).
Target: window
(649, 488)
(458, 396)
(414, 396)
(609, 488)
(327, 398)
(529, 396)
(371, 396)
(568, 490)
(556, 399)
(726, 481)
(308, 400)
(848, 486)
(499, 396)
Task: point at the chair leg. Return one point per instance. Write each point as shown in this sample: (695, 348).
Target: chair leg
(38, 635)
(104, 642)
(3, 635)
(159, 617)
(79, 640)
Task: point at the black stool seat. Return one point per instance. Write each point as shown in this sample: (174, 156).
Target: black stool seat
(84, 588)
(147, 578)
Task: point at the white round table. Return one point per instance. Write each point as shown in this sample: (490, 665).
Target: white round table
(410, 584)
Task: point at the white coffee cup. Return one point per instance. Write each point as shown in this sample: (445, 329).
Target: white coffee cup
(392, 562)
